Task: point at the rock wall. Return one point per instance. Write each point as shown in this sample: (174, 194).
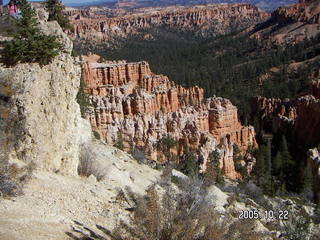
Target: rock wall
(40, 119)
(128, 98)
(314, 161)
(300, 117)
(214, 19)
(290, 24)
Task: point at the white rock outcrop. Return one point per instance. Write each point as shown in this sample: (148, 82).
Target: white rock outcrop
(40, 119)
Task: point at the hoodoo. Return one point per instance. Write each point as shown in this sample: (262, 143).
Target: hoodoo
(128, 98)
(210, 19)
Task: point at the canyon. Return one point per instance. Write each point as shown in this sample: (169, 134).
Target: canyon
(299, 117)
(41, 125)
(145, 108)
(299, 120)
(209, 20)
(290, 24)
(131, 4)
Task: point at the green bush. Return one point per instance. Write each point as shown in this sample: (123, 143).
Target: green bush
(119, 144)
(28, 45)
(189, 164)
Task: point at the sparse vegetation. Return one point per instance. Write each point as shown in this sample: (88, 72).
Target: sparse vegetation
(12, 178)
(213, 175)
(167, 214)
(119, 144)
(83, 98)
(165, 144)
(189, 164)
(55, 9)
(88, 163)
(28, 45)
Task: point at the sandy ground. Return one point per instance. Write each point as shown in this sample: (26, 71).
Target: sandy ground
(52, 203)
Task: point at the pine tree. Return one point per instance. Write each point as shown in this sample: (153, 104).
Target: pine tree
(277, 164)
(262, 170)
(190, 166)
(28, 45)
(215, 159)
(55, 9)
(308, 178)
(286, 156)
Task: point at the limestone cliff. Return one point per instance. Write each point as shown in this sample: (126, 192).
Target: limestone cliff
(128, 98)
(40, 119)
(210, 19)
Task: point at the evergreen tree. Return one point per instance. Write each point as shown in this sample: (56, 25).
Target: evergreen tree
(55, 9)
(215, 160)
(277, 164)
(288, 174)
(308, 179)
(189, 164)
(262, 170)
(285, 154)
(28, 43)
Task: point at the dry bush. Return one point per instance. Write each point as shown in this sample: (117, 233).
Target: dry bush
(12, 178)
(88, 163)
(166, 213)
(186, 214)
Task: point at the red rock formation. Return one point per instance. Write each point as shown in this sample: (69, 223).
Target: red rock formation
(291, 24)
(215, 19)
(299, 118)
(128, 98)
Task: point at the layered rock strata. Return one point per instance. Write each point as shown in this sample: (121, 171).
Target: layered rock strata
(299, 117)
(291, 24)
(212, 19)
(128, 98)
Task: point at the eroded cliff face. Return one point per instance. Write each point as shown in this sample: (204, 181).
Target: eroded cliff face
(40, 120)
(314, 161)
(210, 19)
(300, 117)
(291, 24)
(128, 98)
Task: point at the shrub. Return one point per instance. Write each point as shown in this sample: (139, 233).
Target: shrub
(167, 214)
(28, 45)
(96, 135)
(168, 142)
(88, 164)
(12, 178)
(189, 164)
(9, 187)
(83, 100)
(297, 227)
(119, 143)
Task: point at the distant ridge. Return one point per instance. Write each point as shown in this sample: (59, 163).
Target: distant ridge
(267, 5)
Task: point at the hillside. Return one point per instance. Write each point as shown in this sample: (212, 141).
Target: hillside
(205, 177)
(94, 28)
(265, 5)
